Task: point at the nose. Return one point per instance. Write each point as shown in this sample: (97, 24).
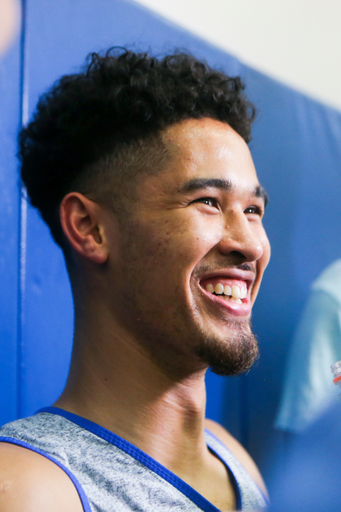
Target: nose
(242, 237)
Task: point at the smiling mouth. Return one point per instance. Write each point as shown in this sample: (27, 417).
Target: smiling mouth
(230, 290)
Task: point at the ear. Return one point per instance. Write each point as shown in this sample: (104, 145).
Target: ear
(81, 222)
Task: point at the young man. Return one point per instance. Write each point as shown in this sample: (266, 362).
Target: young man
(142, 171)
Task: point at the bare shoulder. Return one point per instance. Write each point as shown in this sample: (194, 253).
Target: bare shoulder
(237, 449)
(31, 482)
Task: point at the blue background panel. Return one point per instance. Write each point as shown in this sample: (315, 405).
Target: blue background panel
(10, 109)
(296, 147)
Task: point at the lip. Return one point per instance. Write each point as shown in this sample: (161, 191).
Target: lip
(230, 307)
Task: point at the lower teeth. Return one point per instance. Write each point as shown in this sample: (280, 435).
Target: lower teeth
(228, 298)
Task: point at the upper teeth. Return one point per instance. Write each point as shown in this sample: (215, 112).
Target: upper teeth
(235, 291)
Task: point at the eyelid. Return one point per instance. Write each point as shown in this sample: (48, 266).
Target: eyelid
(259, 210)
(214, 200)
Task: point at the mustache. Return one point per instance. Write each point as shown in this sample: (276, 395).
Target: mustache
(246, 266)
(214, 267)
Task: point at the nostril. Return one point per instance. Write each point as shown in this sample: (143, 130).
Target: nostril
(238, 255)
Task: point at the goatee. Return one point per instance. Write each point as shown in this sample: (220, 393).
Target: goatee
(231, 357)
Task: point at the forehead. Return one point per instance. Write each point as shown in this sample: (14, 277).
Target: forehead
(207, 149)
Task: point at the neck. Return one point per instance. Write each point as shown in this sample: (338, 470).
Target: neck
(114, 383)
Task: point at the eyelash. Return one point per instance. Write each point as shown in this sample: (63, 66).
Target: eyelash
(256, 210)
(211, 199)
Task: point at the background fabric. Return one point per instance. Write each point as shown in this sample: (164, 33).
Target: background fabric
(310, 478)
(308, 387)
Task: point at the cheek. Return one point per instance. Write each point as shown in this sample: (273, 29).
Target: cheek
(170, 259)
(183, 237)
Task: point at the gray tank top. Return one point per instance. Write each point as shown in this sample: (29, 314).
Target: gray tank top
(112, 475)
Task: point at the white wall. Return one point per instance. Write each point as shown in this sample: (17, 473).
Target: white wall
(295, 41)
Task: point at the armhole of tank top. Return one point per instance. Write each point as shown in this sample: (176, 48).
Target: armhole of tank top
(266, 501)
(79, 488)
(234, 481)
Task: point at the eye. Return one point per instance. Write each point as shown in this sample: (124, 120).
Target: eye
(209, 201)
(255, 210)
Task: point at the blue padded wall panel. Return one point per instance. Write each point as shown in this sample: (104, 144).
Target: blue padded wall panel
(10, 107)
(297, 151)
(47, 320)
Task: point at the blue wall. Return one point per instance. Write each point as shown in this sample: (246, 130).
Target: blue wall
(297, 151)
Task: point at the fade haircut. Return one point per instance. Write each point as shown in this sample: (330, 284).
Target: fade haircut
(95, 131)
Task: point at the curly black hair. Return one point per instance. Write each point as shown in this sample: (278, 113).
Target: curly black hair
(113, 109)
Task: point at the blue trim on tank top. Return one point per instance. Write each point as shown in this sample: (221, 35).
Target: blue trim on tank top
(267, 501)
(147, 460)
(79, 488)
(235, 484)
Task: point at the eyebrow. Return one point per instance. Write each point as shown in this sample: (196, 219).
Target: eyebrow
(202, 183)
(259, 191)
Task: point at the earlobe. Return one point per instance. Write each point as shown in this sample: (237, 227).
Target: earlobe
(80, 220)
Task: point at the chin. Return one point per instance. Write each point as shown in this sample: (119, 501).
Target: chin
(232, 356)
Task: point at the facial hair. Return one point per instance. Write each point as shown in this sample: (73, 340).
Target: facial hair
(235, 354)
(232, 357)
